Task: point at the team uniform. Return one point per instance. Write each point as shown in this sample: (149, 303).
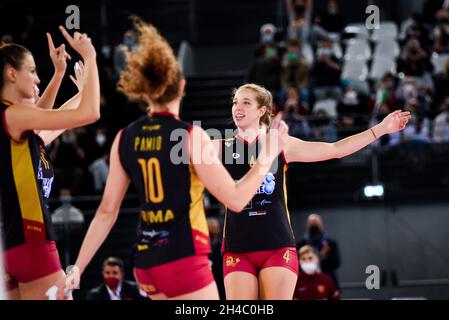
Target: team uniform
(28, 237)
(173, 239)
(260, 236)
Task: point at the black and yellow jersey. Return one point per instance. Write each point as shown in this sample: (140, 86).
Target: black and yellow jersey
(264, 224)
(154, 153)
(24, 216)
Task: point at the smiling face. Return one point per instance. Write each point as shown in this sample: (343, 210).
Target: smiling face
(246, 111)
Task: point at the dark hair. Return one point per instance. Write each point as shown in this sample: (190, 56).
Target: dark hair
(114, 262)
(152, 70)
(11, 54)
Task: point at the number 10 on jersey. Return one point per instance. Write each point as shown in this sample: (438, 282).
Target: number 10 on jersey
(152, 179)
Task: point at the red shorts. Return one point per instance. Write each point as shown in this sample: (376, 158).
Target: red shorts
(255, 261)
(177, 277)
(29, 262)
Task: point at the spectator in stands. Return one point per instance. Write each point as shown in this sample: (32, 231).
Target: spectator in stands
(331, 20)
(215, 257)
(414, 61)
(441, 32)
(388, 87)
(68, 159)
(323, 128)
(266, 70)
(114, 286)
(295, 71)
(414, 141)
(441, 124)
(441, 85)
(99, 167)
(430, 9)
(326, 72)
(442, 44)
(312, 284)
(267, 34)
(352, 111)
(299, 19)
(128, 44)
(418, 30)
(317, 238)
(294, 112)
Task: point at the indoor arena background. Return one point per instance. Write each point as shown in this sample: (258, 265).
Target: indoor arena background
(403, 232)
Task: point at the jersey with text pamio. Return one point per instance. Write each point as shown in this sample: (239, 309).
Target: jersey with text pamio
(153, 152)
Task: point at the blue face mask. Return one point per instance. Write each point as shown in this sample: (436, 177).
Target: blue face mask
(129, 43)
(267, 38)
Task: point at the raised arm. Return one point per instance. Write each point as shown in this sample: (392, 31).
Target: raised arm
(297, 150)
(59, 58)
(49, 136)
(20, 118)
(105, 217)
(216, 178)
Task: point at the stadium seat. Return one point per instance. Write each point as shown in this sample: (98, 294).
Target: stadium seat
(358, 49)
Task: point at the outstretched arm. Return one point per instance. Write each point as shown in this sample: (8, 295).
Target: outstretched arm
(302, 151)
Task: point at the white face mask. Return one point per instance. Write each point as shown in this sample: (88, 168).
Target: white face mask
(100, 139)
(309, 267)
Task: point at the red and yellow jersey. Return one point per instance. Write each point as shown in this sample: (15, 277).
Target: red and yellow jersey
(24, 215)
(264, 224)
(154, 153)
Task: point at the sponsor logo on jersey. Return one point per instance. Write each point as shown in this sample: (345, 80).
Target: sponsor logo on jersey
(268, 185)
(235, 155)
(264, 202)
(231, 262)
(257, 213)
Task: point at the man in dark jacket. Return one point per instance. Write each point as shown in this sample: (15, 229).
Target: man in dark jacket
(114, 287)
(327, 248)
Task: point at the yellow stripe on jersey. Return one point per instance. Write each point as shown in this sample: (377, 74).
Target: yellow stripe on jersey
(196, 213)
(285, 196)
(25, 181)
(44, 162)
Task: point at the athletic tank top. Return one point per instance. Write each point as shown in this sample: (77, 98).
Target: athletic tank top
(264, 224)
(24, 215)
(154, 153)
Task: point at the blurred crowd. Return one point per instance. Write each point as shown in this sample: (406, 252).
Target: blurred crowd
(334, 79)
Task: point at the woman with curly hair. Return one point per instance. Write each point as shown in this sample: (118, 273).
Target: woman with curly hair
(169, 162)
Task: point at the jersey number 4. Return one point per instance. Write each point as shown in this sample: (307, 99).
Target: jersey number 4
(152, 179)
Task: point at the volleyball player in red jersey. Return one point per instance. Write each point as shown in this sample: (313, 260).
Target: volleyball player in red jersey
(30, 257)
(260, 259)
(169, 162)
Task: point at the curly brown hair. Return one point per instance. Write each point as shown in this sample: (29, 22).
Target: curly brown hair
(153, 71)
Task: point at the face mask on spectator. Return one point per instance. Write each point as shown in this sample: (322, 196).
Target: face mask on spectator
(112, 282)
(309, 267)
(267, 38)
(324, 51)
(350, 98)
(100, 139)
(409, 91)
(270, 53)
(129, 43)
(292, 56)
(314, 232)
